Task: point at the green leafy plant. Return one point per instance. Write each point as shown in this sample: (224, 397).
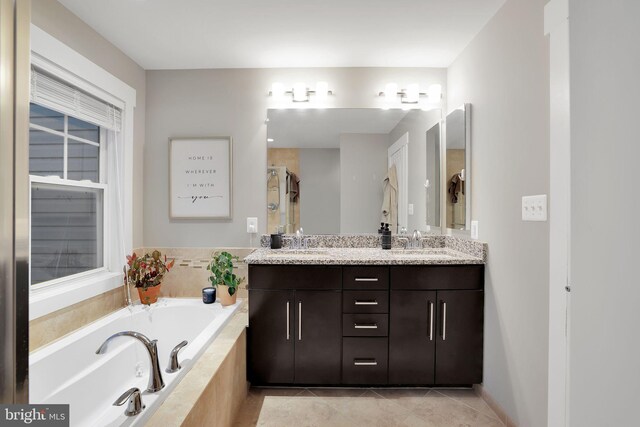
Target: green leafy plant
(148, 270)
(221, 268)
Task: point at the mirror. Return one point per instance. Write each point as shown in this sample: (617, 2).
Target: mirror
(326, 169)
(458, 171)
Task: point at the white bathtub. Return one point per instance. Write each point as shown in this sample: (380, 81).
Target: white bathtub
(69, 371)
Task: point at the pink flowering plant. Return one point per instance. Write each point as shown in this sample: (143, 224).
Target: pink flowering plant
(148, 270)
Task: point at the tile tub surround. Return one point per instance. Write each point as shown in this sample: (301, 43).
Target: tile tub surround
(361, 256)
(214, 389)
(365, 407)
(474, 248)
(189, 275)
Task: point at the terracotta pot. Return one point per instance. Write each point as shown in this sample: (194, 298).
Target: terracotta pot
(150, 295)
(225, 298)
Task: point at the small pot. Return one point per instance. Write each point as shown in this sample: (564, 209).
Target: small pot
(209, 295)
(150, 295)
(225, 298)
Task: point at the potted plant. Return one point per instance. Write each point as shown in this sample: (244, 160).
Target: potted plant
(146, 273)
(223, 277)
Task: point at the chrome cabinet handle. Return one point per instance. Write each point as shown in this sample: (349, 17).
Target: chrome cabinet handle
(299, 320)
(288, 327)
(366, 279)
(430, 321)
(444, 320)
(374, 302)
(365, 326)
(365, 362)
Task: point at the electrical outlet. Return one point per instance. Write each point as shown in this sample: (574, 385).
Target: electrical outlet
(410, 209)
(534, 208)
(474, 230)
(252, 225)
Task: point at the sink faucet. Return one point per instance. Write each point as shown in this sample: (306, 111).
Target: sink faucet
(416, 240)
(155, 377)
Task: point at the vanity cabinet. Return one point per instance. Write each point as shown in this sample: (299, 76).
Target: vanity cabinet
(365, 325)
(295, 327)
(436, 327)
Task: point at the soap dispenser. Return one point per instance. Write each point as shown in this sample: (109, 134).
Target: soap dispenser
(386, 237)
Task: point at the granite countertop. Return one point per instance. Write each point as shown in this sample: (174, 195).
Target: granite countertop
(361, 256)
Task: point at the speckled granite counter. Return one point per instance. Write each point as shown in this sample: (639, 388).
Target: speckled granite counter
(361, 256)
(364, 250)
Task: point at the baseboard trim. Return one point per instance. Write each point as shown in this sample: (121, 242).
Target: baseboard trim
(495, 406)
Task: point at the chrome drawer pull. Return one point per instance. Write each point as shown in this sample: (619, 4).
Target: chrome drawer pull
(374, 302)
(366, 279)
(430, 321)
(365, 362)
(299, 320)
(365, 326)
(444, 321)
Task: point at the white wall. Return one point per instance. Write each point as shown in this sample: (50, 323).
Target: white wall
(416, 123)
(320, 190)
(59, 22)
(504, 74)
(235, 102)
(605, 201)
(363, 167)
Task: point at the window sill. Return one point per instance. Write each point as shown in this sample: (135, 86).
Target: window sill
(44, 301)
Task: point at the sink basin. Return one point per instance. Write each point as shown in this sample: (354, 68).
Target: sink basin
(433, 253)
(298, 252)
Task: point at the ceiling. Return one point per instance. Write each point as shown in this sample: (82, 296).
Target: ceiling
(321, 128)
(190, 34)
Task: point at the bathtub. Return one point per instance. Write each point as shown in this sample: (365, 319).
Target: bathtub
(69, 371)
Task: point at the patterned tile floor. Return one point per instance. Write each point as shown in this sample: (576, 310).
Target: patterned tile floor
(317, 407)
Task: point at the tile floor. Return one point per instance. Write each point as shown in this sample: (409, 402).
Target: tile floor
(281, 407)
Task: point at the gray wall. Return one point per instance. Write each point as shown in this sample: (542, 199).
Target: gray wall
(504, 74)
(416, 123)
(320, 190)
(55, 19)
(363, 167)
(605, 200)
(235, 102)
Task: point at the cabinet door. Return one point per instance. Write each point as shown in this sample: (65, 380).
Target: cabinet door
(412, 337)
(270, 337)
(318, 337)
(459, 346)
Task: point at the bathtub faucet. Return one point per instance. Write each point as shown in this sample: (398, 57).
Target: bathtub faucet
(155, 378)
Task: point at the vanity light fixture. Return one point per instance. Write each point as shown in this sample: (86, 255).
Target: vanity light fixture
(300, 92)
(412, 94)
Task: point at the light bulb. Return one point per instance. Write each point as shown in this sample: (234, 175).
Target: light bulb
(434, 93)
(300, 92)
(390, 92)
(412, 94)
(322, 90)
(277, 90)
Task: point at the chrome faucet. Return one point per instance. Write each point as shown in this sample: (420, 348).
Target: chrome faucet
(155, 377)
(415, 242)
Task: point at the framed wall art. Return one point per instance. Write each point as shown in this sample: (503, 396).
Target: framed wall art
(200, 178)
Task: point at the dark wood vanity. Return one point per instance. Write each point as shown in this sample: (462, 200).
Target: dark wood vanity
(382, 325)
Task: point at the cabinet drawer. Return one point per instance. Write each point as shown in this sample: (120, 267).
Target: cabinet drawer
(312, 277)
(365, 277)
(364, 361)
(365, 325)
(446, 277)
(365, 301)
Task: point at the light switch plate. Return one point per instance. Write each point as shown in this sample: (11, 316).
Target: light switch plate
(534, 208)
(474, 230)
(252, 225)
(410, 209)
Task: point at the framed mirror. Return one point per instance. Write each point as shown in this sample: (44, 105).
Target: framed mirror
(327, 168)
(458, 169)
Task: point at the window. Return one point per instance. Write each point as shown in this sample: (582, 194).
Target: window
(68, 184)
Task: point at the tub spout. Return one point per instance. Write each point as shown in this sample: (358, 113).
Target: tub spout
(155, 377)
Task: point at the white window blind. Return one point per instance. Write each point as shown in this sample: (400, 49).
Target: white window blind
(52, 93)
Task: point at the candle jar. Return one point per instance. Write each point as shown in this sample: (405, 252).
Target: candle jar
(209, 295)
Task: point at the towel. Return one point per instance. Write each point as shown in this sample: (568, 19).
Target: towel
(390, 199)
(294, 187)
(456, 185)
